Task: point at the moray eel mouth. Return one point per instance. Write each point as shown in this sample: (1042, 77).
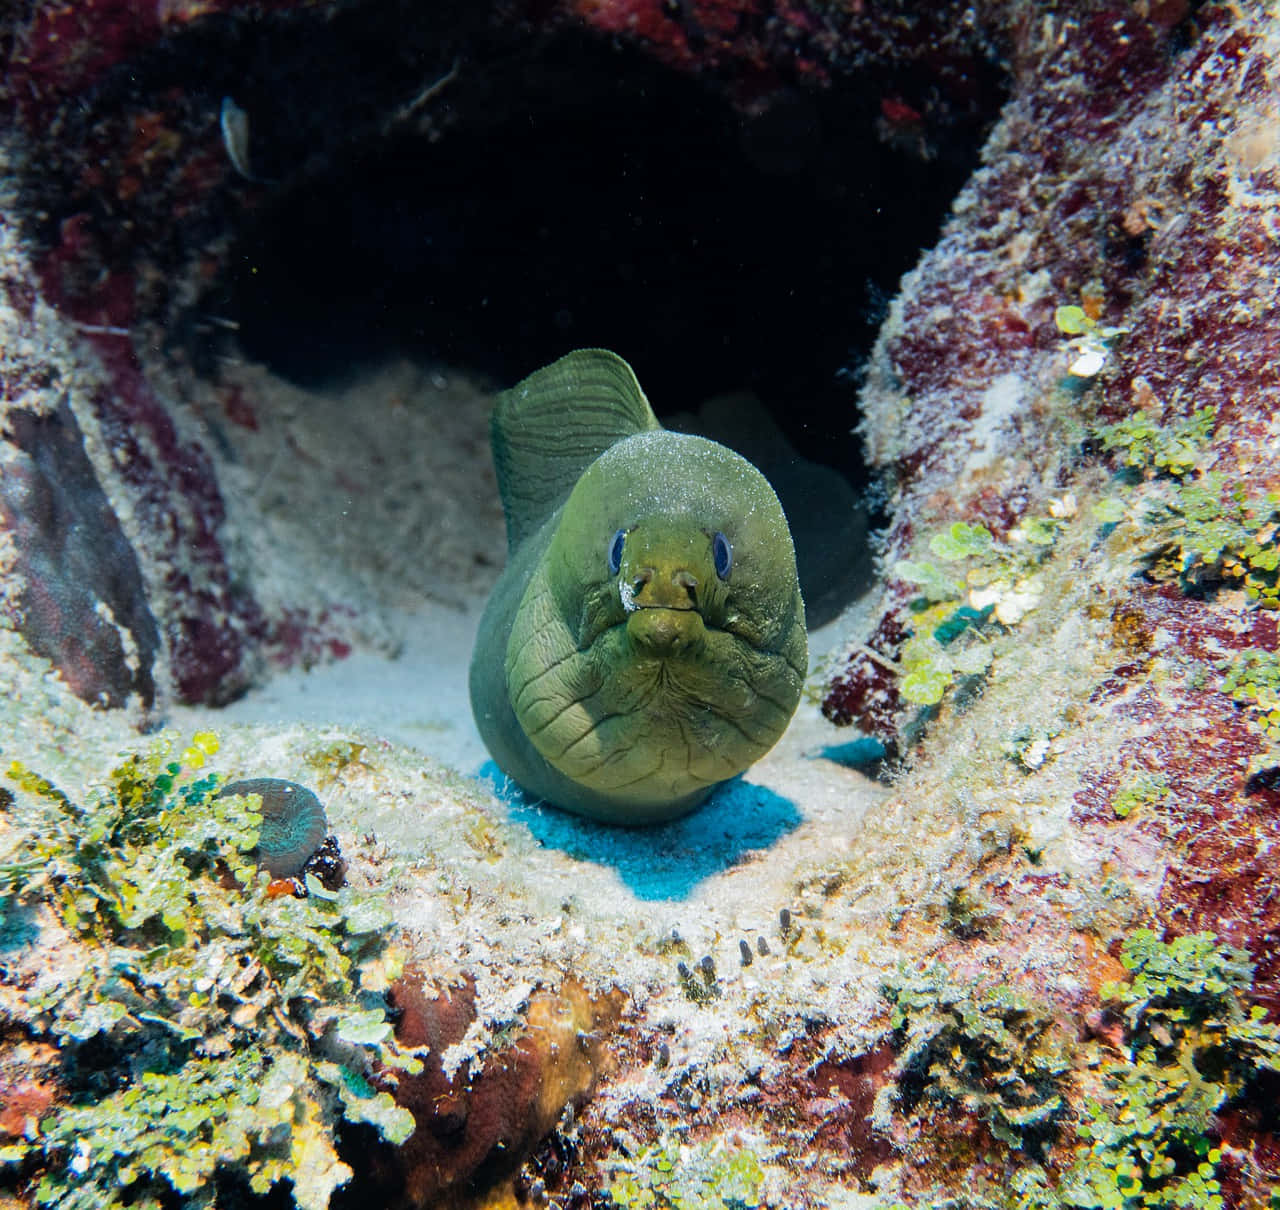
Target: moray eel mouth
(663, 631)
(662, 702)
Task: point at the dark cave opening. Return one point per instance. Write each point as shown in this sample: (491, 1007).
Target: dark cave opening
(579, 194)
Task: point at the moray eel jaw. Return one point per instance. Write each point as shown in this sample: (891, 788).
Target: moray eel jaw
(657, 711)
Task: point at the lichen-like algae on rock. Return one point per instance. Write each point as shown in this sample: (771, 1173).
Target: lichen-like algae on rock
(647, 640)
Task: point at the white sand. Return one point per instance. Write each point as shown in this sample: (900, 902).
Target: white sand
(416, 697)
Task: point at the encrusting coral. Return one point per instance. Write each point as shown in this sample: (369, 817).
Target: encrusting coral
(293, 822)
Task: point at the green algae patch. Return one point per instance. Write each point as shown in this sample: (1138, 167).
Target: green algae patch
(1252, 680)
(1144, 790)
(989, 1052)
(1195, 526)
(1134, 1113)
(1190, 1046)
(207, 1028)
(976, 593)
(675, 1176)
(1140, 443)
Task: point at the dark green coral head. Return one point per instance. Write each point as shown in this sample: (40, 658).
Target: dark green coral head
(293, 823)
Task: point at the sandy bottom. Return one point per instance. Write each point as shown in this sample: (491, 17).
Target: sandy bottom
(797, 801)
(480, 877)
(417, 698)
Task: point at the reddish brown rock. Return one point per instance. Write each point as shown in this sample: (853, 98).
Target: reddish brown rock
(28, 1086)
(84, 603)
(478, 1124)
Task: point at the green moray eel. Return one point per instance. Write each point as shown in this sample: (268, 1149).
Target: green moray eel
(293, 823)
(646, 641)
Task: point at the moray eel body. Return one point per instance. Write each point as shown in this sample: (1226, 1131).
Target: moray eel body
(646, 640)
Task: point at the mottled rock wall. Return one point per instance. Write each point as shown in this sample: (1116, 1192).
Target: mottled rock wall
(147, 139)
(1078, 606)
(120, 201)
(1134, 175)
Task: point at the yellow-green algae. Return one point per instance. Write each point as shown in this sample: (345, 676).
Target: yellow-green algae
(1196, 525)
(709, 1176)
(205, 1026)
(992, 1052)
(1184, 1045)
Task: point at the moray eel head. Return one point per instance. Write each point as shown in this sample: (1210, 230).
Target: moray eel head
(672, 577)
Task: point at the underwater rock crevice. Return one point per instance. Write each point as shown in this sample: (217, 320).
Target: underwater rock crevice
(580, 196)
(561, 186)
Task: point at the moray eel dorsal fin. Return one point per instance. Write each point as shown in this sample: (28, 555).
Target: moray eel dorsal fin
(549, 428)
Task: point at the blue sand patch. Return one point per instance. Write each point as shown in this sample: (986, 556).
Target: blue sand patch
(666, 861)
(20, 928)
(861, 751)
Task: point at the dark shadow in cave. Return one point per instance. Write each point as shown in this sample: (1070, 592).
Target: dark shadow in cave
(582, 195)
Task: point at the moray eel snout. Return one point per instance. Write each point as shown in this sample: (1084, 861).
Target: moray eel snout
(661, 633)
(664, 596)
(646, 641)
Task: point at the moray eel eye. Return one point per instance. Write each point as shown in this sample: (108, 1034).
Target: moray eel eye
(721, 555)
(616, 544)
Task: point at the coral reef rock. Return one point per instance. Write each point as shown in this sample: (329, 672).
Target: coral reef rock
(996, 922)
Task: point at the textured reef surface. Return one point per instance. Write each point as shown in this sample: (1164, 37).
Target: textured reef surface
(996, 923)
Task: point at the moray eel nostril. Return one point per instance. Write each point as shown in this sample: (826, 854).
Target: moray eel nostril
(646, 641)
(293, 823)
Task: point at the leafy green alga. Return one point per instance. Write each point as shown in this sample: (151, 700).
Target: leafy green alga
(233, 1028)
